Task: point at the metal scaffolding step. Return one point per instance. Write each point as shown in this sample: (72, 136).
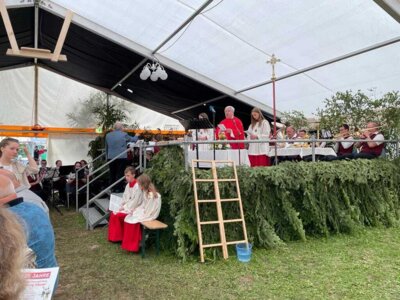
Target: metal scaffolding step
(93, 216)
(103, 204)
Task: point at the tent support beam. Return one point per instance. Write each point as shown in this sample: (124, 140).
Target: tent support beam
(391, 7)
(199, 104)
(187, 21)
(325, 63)
(34, 52)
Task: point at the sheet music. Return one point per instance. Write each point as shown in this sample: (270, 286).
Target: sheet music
(115, 202)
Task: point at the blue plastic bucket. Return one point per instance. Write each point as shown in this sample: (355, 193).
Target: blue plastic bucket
(243, 252)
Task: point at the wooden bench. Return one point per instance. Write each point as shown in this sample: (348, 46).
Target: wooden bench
(156, 226)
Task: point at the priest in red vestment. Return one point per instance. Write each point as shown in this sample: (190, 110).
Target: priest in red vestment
(232, 127)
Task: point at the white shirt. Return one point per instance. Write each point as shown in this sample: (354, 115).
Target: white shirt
(203, 135)
(262, 132)
(346, 144)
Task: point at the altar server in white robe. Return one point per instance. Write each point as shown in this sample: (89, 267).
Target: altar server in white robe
(148, 210)
(259, 129)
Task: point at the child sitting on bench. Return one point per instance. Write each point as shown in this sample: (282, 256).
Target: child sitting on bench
(143, 205)
(130, 200)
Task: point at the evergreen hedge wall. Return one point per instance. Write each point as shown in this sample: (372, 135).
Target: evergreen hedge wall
(288, 202)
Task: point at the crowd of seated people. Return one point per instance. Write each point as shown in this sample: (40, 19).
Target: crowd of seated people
(367, 144)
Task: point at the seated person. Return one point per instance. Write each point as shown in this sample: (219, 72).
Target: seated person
(290, 135)
(144, 204)
(38, 229)
(371, 145)
(85, 165)
(12, 245)
(72, 180)
(130, 200)
(345, 143)
(24, 192)
(59, 181)
(148, 210)
(302, 135)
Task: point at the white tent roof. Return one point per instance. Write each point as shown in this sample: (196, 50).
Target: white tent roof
(227, 44)
(59, 96)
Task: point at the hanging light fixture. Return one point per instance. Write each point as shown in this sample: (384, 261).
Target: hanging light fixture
(154, 71)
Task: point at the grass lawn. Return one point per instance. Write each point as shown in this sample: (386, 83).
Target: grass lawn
(365, 265)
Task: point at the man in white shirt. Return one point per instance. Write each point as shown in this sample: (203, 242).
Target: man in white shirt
(345, 143)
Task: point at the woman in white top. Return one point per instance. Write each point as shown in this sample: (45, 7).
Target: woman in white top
(259, 129)
(204, 134)
(8, 155)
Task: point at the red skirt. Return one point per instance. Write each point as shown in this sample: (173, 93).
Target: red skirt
(116, 227)
(259, 161)
(132, 237)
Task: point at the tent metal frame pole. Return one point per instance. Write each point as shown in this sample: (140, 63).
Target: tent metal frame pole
(199, 104)
(325, 63)
(36, 69)
(390, 8)
(176, 31)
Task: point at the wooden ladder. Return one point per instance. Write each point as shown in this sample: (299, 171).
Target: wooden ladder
(221, 222)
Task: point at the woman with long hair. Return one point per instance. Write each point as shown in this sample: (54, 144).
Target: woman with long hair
(148, 210)
(259, 129)
(12, 256)
(8, 155)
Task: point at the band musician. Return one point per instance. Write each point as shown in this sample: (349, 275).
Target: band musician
(371, 143)
(345, 143)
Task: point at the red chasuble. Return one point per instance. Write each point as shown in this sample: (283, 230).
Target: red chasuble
(237, 129)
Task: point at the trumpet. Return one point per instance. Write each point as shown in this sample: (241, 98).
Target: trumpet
(366, 129)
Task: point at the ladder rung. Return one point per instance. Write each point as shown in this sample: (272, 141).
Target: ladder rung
(230, 200)
(204, 180)
(224, 221)
(212, 180)
(233, 220)
(235, 242)
(212, 245)
(214, 200)
(209, 222)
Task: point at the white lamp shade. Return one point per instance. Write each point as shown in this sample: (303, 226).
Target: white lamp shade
(163, 75)
(145, 73)
(154, 76)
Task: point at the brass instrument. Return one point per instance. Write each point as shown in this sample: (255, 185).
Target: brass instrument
(358, 133)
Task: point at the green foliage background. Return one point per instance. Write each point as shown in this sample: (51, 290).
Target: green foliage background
(287, 202)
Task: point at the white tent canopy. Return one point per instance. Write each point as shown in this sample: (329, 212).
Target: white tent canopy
(59, 96)
(229, 42)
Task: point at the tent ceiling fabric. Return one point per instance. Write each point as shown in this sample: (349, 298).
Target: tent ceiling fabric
(228, 44)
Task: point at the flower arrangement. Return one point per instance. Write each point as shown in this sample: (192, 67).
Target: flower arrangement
(222, 146)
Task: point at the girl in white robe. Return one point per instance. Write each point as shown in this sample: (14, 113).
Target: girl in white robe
(148, 210)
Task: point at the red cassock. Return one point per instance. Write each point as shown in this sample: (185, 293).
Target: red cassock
(129, 234)
(237, 129)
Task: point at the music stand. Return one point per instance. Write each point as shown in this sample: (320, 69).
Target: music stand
(66, 170)
(197, 124)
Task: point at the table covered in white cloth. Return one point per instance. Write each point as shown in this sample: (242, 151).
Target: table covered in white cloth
(301, 151)
(240, 157)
